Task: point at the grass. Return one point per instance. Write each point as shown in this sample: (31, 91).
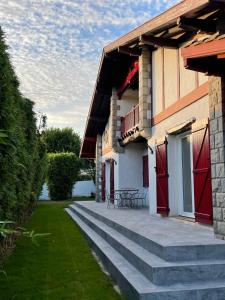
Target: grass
(61, 267)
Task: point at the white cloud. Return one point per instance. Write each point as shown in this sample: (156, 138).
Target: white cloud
(55, 47)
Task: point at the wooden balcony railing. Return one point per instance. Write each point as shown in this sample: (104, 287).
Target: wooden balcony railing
(130, 120)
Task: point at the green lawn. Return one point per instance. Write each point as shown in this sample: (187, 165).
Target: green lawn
(61, 267)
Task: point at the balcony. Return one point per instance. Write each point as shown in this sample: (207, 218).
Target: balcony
(129, 123)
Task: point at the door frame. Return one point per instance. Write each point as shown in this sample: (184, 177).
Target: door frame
(181, 202)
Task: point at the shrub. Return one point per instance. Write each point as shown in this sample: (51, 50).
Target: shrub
(63, 171)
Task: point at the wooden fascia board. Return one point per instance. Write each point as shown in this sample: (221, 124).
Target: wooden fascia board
(168, 17)
(212, 48)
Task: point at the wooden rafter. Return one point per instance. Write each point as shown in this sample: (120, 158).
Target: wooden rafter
(129, 79)
(189, 24)
(129, 51)
(157, 41)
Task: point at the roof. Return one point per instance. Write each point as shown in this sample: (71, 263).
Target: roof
(206, 54)
(169, 29)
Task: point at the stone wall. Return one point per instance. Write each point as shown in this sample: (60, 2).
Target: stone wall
(98, 179)
(217, 145)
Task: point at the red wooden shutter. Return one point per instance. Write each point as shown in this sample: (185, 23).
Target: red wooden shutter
(111, 179)
(145, 171)
(202, 175)
(103, 181)
(162, 178)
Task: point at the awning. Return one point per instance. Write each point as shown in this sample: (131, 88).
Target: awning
(185, 126)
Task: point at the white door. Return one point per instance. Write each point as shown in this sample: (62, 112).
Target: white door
(187, 197)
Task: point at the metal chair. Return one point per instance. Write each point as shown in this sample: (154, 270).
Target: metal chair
(140, 197)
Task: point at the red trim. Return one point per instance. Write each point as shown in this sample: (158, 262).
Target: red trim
(128, 80)
(205, 49)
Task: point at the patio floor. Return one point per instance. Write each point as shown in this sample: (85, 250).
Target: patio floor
(162, 230)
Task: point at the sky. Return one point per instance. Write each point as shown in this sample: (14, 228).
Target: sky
(56, 45)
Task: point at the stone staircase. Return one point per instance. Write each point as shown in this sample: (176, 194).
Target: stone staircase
(144, 269)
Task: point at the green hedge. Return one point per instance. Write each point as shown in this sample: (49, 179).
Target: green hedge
(63, 171)
(22, 154)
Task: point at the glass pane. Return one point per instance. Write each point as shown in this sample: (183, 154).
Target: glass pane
(186, 167)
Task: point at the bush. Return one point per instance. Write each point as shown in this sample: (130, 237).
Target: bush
(22, 154)
(63, 171)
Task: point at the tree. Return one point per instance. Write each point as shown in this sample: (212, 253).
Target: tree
(61, 140)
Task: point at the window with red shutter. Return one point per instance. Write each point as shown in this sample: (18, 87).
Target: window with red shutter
(145, 171)
(112, 179)
(162, 178)
(103, 181)
(202, 175)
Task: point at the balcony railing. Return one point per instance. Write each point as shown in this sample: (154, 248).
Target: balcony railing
(130, 120)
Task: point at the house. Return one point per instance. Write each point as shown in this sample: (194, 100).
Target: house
(157, 123)
(148, 124)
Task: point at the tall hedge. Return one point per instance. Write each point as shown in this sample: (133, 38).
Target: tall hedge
(22, 154)
(63, 171)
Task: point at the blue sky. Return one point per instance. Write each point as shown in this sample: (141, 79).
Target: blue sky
(55, 47)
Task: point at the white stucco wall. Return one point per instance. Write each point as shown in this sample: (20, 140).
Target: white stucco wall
(157, 81)
(187, 78)
(128, 100)
(81, 188)
(170, 76)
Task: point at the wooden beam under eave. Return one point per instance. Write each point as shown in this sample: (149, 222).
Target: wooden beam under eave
(221, 56)
(129, 51)
(189, 24)
(97, 119)
(90, 139)
(157, 42)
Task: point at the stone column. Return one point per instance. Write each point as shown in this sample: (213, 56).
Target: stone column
(145, 86)
(115, 122)
(98, 178)
(217, 145)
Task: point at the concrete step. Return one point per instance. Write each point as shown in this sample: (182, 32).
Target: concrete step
(168, 252)
(156, 269)
(136, 286)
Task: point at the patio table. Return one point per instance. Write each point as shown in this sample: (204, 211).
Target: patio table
(125, 197)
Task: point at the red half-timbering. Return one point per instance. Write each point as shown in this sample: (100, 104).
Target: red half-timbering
(112, 188)
(103, 181)
(202, 175)
(162, 178)
(145, 171)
